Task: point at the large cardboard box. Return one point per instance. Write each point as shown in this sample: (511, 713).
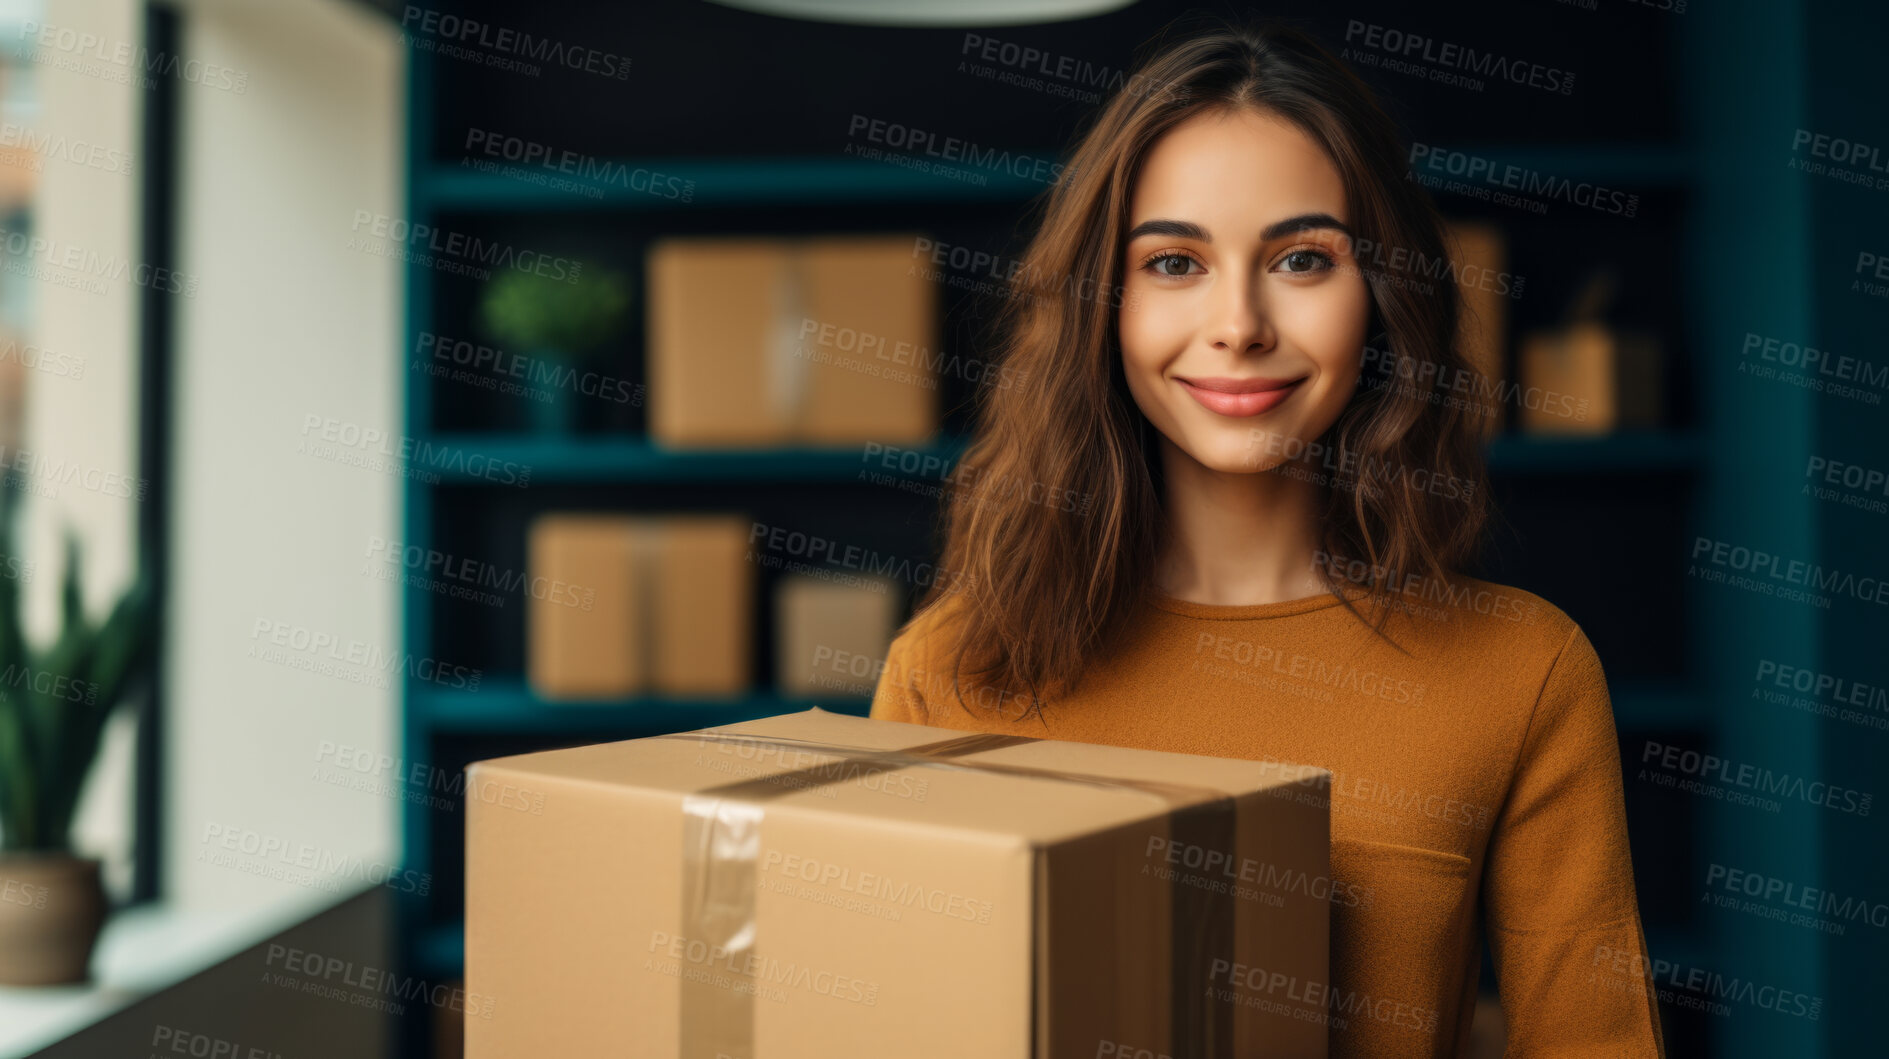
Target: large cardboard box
(626, 604)
(765, 341)
(817, 884)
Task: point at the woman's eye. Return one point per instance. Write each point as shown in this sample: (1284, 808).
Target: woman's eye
(1156, 265)
(1308, 261)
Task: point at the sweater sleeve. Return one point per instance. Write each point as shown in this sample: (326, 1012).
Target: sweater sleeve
(1560, 904)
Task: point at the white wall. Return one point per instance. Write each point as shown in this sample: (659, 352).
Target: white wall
(288, 322)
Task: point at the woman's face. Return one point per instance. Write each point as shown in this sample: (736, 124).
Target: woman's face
(1249, 312)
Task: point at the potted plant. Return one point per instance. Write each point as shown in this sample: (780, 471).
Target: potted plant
(558, 326)
(54, 701)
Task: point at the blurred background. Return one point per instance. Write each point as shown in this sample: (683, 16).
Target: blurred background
(418, 355)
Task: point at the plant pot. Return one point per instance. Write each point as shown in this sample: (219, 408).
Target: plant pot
(51, 908)
(557, 415)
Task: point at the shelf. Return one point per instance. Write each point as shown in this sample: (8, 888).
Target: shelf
(1660, 451)
(604, 458)
(630, 459)
(801, 180)
(815, 179)
(509, 706)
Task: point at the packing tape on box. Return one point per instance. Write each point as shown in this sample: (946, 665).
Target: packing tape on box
(646, 546)
(722, 847)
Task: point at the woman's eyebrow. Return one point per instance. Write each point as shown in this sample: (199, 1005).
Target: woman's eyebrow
(1190, 230)
(1176, 229)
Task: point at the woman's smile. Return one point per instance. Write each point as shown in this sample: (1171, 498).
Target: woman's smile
(1239, 397)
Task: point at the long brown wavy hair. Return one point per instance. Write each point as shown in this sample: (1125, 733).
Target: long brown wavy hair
(1043, 585)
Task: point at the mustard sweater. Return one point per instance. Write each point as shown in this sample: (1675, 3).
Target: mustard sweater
(1476, 787)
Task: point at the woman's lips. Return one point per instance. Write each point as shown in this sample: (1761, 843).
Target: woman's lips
(1240, 397)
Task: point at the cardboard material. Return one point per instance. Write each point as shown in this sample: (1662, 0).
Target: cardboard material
(713, 341)
(626, 605)
(582, 613)
(1480, 253)
(760, 341)
(830, 637)
(816, 884)
(1591, 380)
(882, 384)
(698, 617)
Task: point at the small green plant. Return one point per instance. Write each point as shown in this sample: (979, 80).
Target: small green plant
(531, 313)
(54, 701)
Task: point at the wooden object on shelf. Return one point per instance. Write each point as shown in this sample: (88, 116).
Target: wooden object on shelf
(764, 341)
(830, 638)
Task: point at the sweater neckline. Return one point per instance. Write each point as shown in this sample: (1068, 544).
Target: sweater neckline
(1247, 611)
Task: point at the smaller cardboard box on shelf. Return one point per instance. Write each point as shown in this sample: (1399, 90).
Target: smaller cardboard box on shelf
(584, 608)
(817, 884)
(830, 637)
(1587, 376)
(627, 604)
(770, 341)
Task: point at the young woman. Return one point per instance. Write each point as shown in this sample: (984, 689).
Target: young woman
(1201, 524)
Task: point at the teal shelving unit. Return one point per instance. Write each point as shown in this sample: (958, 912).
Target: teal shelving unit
(1652, 451)
(718, 182)
(634, 460)
(509, 706)
(504, 707)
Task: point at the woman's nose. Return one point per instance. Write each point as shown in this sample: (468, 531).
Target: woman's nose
(1238, 320)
